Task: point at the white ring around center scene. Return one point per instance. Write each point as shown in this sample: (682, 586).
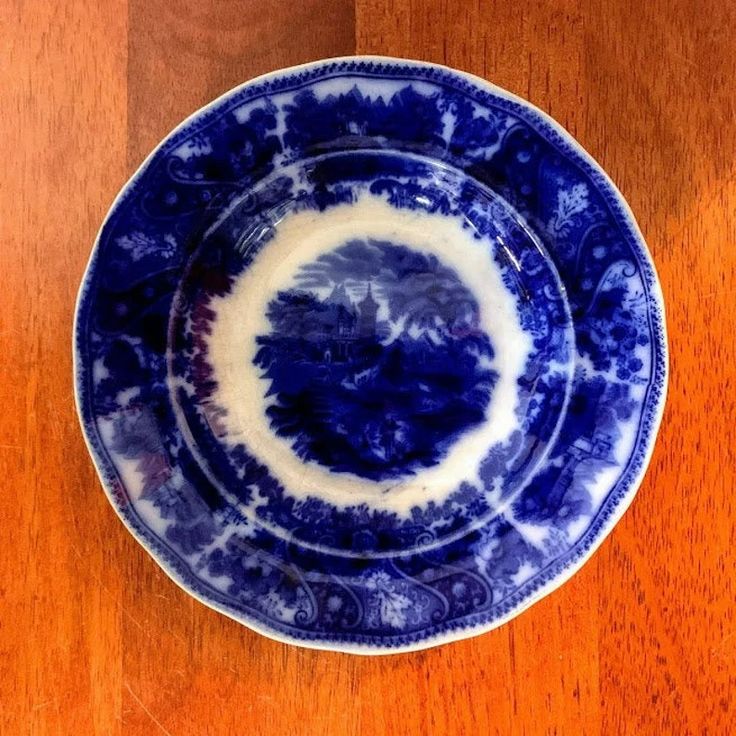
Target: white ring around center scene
(241, 316)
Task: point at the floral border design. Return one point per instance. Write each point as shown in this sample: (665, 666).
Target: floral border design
(400, 605)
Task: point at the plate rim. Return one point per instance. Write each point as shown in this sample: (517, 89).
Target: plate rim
(578, 557)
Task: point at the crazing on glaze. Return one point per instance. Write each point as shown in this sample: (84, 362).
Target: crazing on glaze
(369, 354)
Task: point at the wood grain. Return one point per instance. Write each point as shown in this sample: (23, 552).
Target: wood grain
(95, 639)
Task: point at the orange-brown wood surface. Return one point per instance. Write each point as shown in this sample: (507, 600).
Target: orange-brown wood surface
(95, 638)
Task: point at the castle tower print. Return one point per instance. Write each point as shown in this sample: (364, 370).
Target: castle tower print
(376, 360)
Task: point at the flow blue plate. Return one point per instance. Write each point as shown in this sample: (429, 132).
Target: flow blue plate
(370, 355)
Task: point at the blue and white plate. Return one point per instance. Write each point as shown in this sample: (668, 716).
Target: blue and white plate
(370, 355)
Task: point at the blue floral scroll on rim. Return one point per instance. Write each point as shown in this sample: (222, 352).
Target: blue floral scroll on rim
(314, 138)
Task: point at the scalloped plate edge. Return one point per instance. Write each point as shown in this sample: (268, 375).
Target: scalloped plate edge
(587, 548)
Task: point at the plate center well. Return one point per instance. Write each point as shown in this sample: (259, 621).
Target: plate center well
(347, 357)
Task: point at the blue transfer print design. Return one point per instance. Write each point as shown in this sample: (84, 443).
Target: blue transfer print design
(228, 251)
(340, 374)
(194, 217)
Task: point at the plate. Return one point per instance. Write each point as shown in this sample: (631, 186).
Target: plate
(370, 355)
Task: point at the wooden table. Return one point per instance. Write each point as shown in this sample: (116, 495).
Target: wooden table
(95, 639)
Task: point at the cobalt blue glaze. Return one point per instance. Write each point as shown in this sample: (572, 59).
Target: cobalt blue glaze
(341, 387)
(359, 527)
(370, 355)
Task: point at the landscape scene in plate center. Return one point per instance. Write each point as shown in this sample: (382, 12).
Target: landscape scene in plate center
(375, 363)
